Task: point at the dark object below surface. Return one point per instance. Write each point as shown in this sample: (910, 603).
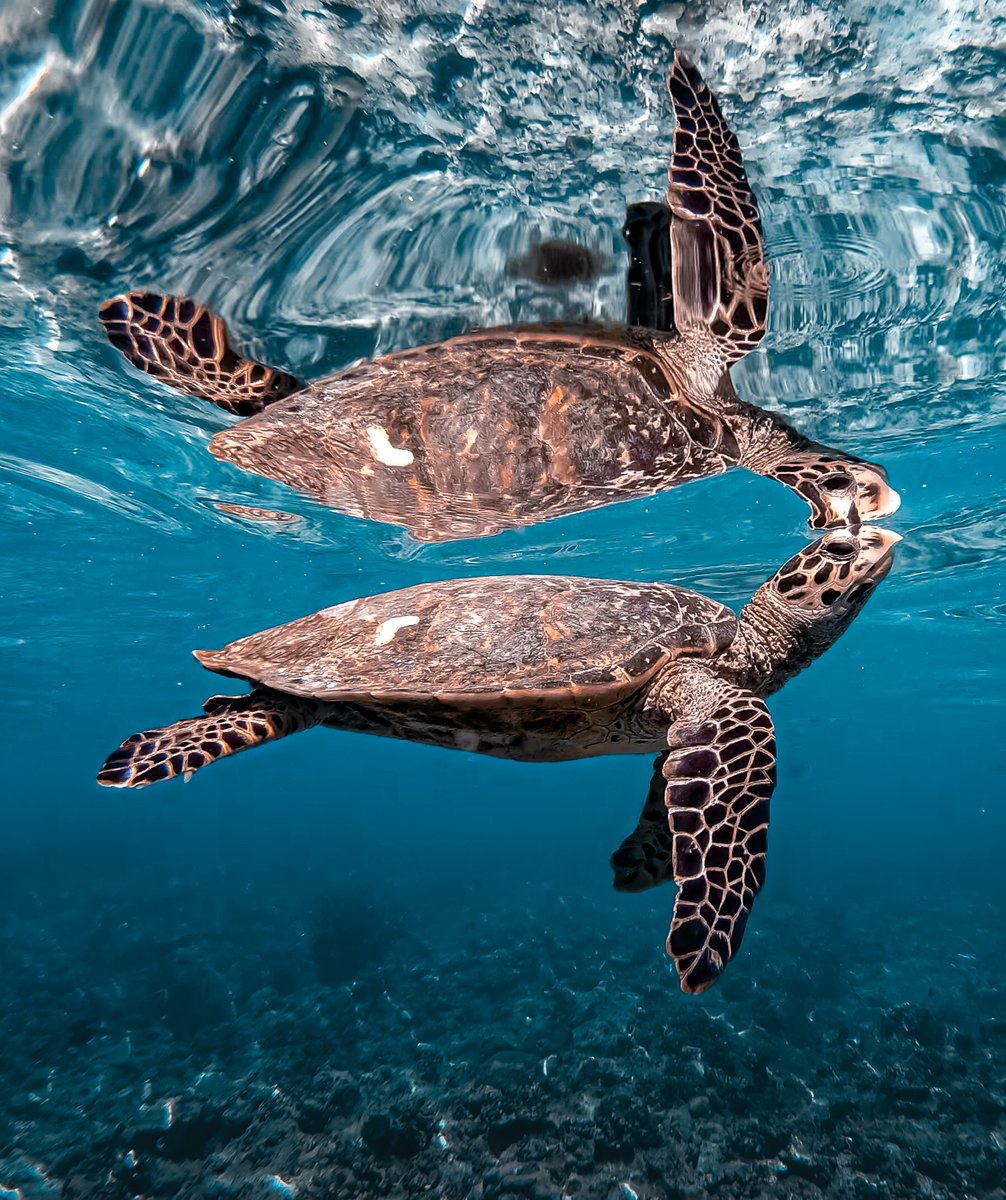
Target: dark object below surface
(649, 287)
(555, 262)
(564, 419)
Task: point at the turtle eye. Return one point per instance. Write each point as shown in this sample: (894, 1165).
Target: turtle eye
(836, 483)
(841, 549)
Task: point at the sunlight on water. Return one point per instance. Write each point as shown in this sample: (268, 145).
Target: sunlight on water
(359, 968)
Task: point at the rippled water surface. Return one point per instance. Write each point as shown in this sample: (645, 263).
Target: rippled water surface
(219, 989)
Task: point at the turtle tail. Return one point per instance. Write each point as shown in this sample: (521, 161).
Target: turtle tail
(231, 724)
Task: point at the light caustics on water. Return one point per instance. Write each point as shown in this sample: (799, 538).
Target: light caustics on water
(362, 186)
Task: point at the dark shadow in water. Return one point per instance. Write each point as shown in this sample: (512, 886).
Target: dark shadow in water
(556, 262)
(350, 929)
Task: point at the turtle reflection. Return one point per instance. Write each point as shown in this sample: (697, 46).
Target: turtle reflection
(506, 427)
(549, 668)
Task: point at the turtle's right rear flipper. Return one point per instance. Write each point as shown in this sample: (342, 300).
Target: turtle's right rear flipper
(186, 346)
(231, 724)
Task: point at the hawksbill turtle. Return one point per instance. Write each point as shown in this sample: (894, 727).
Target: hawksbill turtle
(505, 427)
(548, 668)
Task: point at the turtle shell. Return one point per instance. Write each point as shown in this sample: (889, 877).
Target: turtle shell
(479, 640)
(490, 431)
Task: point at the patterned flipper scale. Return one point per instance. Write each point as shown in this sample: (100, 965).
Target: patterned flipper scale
(231, 724)
(720, 774)
(718, 263)
(187, 346)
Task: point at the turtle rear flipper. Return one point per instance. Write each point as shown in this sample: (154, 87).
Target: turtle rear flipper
(232, 724)
(720, 774)
(717, 253)
(186, 346)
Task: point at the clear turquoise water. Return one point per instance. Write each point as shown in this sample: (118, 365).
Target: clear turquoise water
(344, 182)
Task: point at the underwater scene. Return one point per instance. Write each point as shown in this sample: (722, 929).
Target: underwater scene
(571, 434)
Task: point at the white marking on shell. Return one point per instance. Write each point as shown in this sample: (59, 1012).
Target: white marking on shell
(387, 629)
(384, 452)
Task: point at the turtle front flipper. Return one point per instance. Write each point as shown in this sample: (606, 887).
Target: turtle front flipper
(187, 346)
(717, 253)
(232, 724)
(646, 857)
(720, 774)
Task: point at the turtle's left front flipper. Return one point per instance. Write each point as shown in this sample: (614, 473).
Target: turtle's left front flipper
(718, 266)
(187, 346)
(720, 773)
(646, 857)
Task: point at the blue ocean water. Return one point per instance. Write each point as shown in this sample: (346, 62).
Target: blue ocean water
(346, 967)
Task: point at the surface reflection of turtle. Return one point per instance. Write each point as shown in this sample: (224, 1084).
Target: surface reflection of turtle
(505, 427)
(649, 283)
(546, 668)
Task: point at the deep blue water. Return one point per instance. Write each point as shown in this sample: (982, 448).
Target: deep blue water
(376, 931)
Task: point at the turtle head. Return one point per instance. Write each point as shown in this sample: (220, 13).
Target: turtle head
(831, 579)
(844, 492)
(875, 498)
(812, 600)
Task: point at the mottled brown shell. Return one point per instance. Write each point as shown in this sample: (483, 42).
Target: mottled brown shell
(479, 640)
(490, 431)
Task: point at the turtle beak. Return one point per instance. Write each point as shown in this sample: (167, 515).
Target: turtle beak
(875, 498)
(891, 504)
(885, 539)
(877, 546)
